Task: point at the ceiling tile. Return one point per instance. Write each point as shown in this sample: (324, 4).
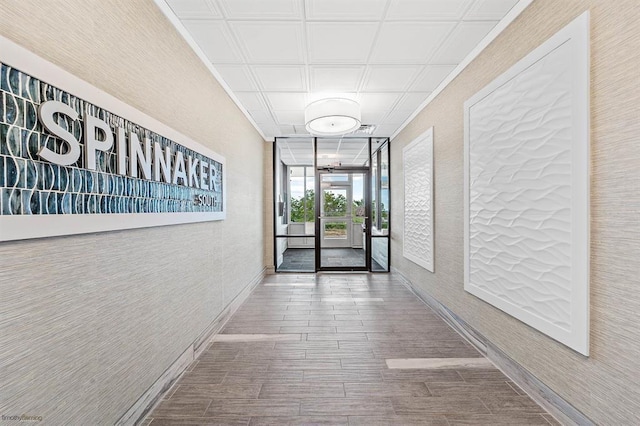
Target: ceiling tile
(287, 129)
(269, 130)
(284, 78)
(374, 116)
(372, 102)
(463, 39)
(277, 56)
(261, 9)
(336, 79)
(431, 10)
(489, 9)
(398, 116)
(214, 39)
(300, 130)
(340, 42)
(341, 10)
(289, 117)
(385, 130)
(431, 77)
(194, 9)
(388, 78)
(409, 42)
(286, 100)
(411, 101)
(316, 96)
(261, 116)
(250, 100)
(299, 150)
(271, 42)
(237, 77)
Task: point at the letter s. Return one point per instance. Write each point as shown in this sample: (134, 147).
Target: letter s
(45, 114)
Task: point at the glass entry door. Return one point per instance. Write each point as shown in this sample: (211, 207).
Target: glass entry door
(342, 241)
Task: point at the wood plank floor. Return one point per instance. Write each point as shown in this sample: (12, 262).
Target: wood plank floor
(313, 349)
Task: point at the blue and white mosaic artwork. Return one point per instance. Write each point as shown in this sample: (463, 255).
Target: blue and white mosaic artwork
(30, 185)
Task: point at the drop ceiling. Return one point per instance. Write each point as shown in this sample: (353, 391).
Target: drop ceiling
(331, 152)
(276, 56)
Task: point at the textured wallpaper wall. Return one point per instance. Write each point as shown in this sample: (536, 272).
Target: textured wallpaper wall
(603, 386)
(88, 323)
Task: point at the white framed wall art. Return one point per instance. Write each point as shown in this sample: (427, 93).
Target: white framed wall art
(417, 160)
(526, 235)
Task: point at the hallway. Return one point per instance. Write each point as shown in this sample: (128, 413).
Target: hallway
(331, 349)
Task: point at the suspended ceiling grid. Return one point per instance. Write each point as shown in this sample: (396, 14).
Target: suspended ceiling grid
(276, 56)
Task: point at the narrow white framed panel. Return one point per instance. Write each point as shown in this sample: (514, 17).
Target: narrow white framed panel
(417, 161)
(526, 189)
(130, 171)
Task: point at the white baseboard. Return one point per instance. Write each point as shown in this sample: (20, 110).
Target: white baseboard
(147, 402)
(557, 406)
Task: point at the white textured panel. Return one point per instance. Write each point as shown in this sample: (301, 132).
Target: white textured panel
(489, 9)
(417, 160)
(527, 189)
(237, 77)
(427, 9)
(389, 78)
(261, 9)
(331, 42)
(463, 39)
(340, 10)
(271, 42)
(345, 78)
(409, 42)
(214, 39)
(284, 78)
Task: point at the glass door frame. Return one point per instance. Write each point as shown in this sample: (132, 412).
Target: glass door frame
(366, 172)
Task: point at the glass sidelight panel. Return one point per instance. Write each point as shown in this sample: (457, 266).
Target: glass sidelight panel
(379, 254)
(294, 210)
(380, 207)
(302, 201)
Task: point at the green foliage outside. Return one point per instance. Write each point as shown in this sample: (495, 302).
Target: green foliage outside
(335, 205)
(303, 208)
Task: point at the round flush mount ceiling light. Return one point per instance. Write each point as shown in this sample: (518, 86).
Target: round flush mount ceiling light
(331, 117)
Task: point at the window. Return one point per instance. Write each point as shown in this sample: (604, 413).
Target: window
(302, 200)
(380, 190)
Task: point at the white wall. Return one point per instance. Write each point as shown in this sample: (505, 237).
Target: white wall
(603, 386)
(88, 323)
